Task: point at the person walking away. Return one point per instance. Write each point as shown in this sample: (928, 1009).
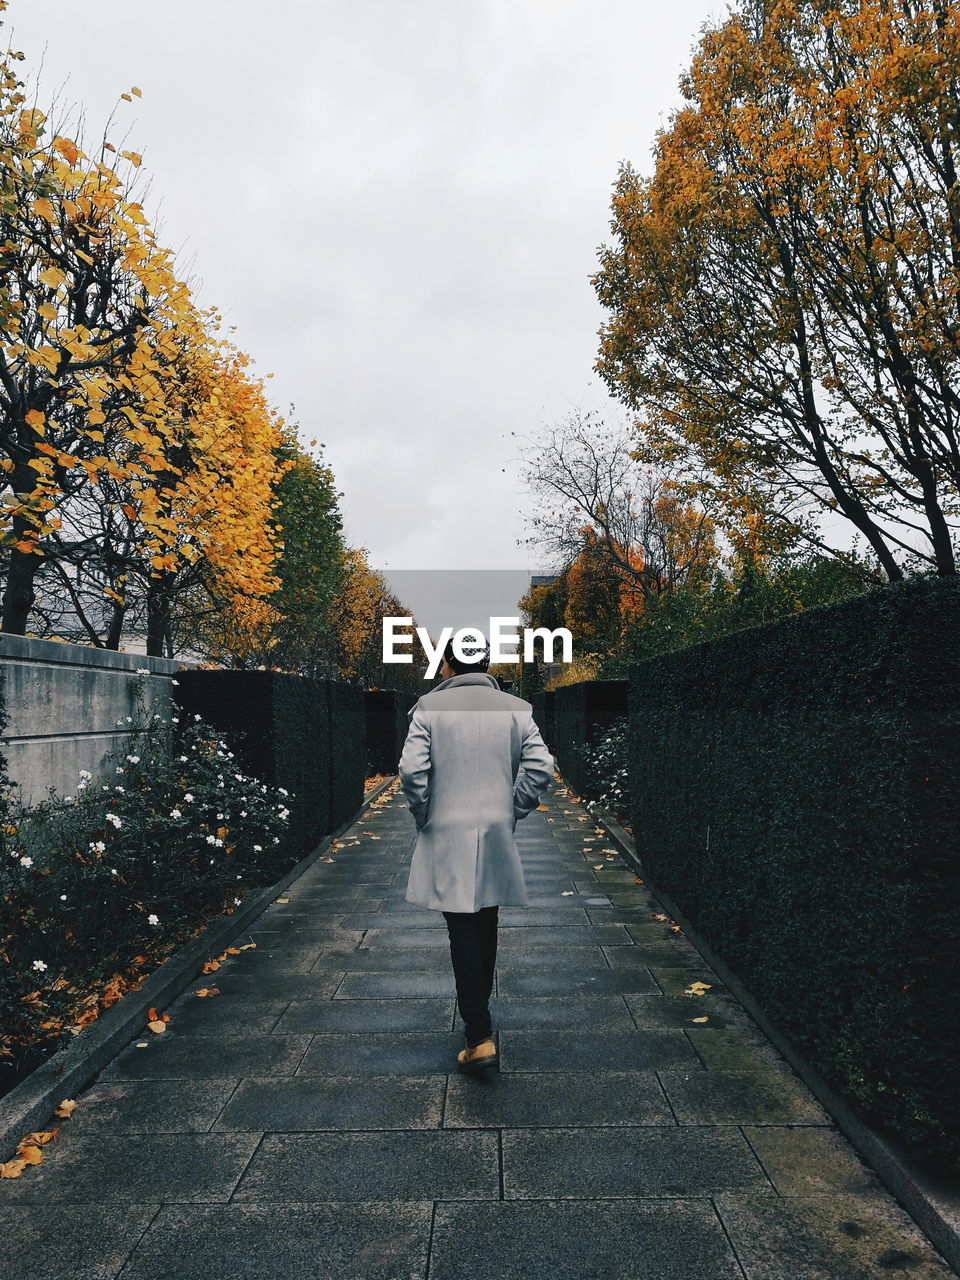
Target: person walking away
(473, 764)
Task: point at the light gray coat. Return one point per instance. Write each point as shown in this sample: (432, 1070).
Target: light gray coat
(473, 764)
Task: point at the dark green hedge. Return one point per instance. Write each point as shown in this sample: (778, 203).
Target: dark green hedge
(581, 712)
(387, 726)
(795, 791)
(542, 703)
(306, 735)
(347, 721)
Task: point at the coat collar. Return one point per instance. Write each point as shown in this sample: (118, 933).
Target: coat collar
(467, 677)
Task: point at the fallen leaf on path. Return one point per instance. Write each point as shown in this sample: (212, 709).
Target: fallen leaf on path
(66, 1108)
(208, 991)
(209, 966)
(12, 1168)
(697, 988)
(287, 899)
(566, 893)
(157, 1026)
(699, 1019)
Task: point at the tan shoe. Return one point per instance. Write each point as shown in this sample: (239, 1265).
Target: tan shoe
(482, 1055)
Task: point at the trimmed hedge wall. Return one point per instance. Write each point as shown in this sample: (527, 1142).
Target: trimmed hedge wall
(796, 790)
(581, 712)
(347, 725)
(387, 726)
(542, 703)
(306, 735)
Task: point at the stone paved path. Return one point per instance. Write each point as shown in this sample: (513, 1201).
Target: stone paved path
(306, 1123)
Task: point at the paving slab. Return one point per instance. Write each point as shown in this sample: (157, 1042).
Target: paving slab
(407, 1165)
(304, 1103)
(585, 1164)
(306, 1241)
(585, 1240)
(54, 1241)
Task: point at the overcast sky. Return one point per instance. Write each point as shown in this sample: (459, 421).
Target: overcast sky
(398, 203)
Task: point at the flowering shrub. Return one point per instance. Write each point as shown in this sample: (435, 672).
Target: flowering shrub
(607, 774)
(96, 888)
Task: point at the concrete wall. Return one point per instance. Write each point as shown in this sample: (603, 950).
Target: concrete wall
(63, 702)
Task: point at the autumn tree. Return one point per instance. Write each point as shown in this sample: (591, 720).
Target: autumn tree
(591, 495)
(782, 290)
(138, 450)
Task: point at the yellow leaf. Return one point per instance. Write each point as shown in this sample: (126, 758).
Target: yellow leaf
(44, 209)
(136, 92)
(12, 1168)
(157, 1026)
(32, 1155)
(34, 418)
(699, 1019)
(209, 966)
(66, 1108)
(53, 277)
(208, 991)
(69, 150)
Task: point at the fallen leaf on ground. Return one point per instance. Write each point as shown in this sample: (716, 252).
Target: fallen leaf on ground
(156, 1026)
(697, 988)
(699, 1019)
(12, 1168)
(210, 965)
(208, 991)
(566, 893)
(598, 867)
(65, 1109)
(287, 899)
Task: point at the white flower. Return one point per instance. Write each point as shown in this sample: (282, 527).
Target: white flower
(283, 791)
(112, 817)
(113, 871)
(188, 797)
(85, 773)
(119, 769)
(195, 716)
(152, 919)
(183, 759)
(219, 815)
(236, 902)
(38, 964)
(63, 897)
(143, 671)
(129, 719)
(175, 813)
(174, 681)
(97, 846)
(119, 722)
(134, 759)
(119, 788)
(276, 839)
(243, 813)
(211, 839)
(258, 848)
(238, 776)
(68, 799)
(26, 862)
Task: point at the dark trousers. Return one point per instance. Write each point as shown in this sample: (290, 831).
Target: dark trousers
(473, 951)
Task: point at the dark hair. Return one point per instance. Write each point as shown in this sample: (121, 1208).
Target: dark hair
(478, 662)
